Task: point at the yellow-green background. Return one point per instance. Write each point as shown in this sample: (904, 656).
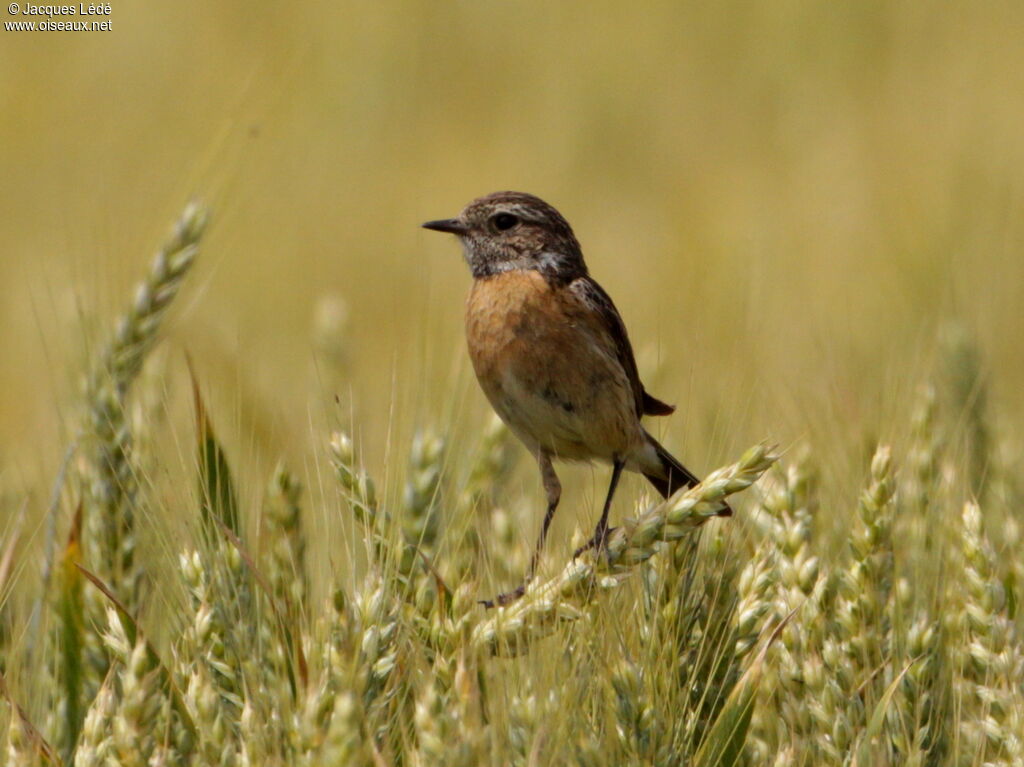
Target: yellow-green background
(787, 200)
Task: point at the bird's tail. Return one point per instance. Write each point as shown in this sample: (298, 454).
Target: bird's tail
(673, 475)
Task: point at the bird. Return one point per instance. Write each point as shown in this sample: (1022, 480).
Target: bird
(552, 355)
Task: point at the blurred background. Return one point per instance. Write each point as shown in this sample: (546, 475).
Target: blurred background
(792, 204)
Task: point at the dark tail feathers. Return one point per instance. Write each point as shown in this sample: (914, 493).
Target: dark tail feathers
(676, 476)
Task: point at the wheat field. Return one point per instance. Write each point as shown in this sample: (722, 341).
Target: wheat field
(250, 495)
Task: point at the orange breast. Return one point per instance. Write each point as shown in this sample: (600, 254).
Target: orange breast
(544, 366)
(504, 315)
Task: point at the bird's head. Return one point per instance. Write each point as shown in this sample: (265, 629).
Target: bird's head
(506, 231)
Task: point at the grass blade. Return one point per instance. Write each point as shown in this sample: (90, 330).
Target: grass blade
(284, 616)
(723, 746)
(44, 749)
(72, 616)
(216, 491)
(877, 721)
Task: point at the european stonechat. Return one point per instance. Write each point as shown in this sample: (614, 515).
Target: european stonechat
(552, 354)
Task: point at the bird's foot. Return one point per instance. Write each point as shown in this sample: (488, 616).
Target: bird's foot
(504, 599)
(597, 541)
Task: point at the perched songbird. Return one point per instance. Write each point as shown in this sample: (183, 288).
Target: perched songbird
(551, 352)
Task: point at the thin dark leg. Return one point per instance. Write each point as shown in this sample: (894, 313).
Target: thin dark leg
(601, 531)
(553, 490)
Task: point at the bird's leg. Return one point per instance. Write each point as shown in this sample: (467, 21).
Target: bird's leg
(601, 531)
(553, 490)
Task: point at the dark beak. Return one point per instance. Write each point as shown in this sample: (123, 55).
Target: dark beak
(450, 225)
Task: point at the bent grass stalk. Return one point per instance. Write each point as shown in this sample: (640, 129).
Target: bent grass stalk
(546, 605)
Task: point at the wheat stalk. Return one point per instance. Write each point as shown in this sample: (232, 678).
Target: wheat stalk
(545, 605)
(111, 513)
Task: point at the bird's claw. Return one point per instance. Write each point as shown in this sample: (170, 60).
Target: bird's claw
(597, 541)
(504, 599)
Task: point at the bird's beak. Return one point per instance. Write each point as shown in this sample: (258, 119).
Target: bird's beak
(450, 225)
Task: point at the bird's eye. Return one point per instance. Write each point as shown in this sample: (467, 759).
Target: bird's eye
(504, 221)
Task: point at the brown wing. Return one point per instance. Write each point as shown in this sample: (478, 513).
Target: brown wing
(600, 304)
